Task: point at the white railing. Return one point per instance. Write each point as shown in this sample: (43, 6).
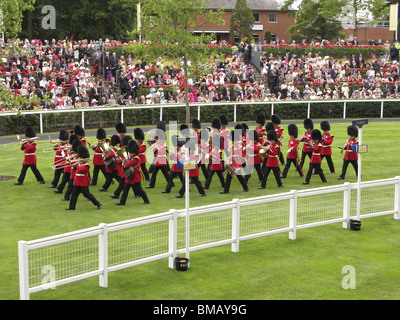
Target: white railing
(234, 105)
(50, 262)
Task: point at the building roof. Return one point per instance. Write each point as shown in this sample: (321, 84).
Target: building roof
(255, 5)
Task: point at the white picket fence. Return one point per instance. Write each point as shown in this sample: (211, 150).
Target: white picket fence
(234, 105)
(50, 262)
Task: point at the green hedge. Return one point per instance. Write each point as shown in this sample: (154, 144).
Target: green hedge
(53, 122)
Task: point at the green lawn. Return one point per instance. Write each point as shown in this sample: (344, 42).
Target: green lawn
(272, 267)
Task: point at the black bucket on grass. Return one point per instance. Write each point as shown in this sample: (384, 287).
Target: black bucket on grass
(355, 225)
(181, 264)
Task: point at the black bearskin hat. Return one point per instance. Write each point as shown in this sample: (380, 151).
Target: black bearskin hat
(161, 125)
(83, 152)
(275, 119)
(216, 123)
(269, 126)
(308, 124)
(325, 125)
(138, 134)
(316, 135)
(72, 138)
(196, 124)
(184, 129)
(245, 128)
(30, 132)
(125, 141)
(260, 119)
(293, 130)
(133, 147)
(224, 119)
(115, 139)
(272, 135)
(352, 131)
(76, 144)
(101, 134)
(120, 127)
(79, 130)
(239, 127)
(64, 135)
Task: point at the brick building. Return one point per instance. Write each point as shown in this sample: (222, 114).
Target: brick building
(267, 15)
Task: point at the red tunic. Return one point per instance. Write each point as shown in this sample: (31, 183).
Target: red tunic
(215, 162)
(252, 153)
(237, 157)
(160, 154)
(98, 156)
(348, 148)
(316, 154)
(142, 152)
(59, 160)
(306, 138)
(292, 151)
(29, 156)
(82, 175)
(279, 131)
(205, 150)
(137, 172)
(326, 142)
(224, 133)
(272, 154)
(260, 131)
(175, 156)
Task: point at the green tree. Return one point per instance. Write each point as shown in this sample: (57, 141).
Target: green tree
(13, 11)
(170, 26)
(242, 20)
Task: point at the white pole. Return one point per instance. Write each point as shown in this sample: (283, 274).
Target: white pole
(187, 205)
(359, 178)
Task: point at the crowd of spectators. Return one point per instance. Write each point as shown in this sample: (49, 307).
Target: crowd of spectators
(69, 73)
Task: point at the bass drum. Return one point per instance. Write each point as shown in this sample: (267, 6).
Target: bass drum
(109, 162)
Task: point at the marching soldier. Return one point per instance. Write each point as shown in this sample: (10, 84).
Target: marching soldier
(272, 152)
(58, 158)
(260, 120)
(80, 132)
(326, 143)
(216, 165)
(29, 148)
(204, 148)
(82, 180)
(350, 156)
(315, 161)
(196, 126)
(139, 137)
(121, 129)
(307, 141)
(113, 163)
(224, 133)
(98, 161)
(254, 160)
(279, 130)
(65, 150)
(134, 179)
(292, 153)
(73, 156)
(176, 156)
(235, 161)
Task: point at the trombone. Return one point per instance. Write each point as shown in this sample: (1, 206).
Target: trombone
(21, 141)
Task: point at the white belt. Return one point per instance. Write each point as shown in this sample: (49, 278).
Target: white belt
(141, 154)
(29, 154)
(325, 146)
(316, 154)
(80, 175)
(98, 154)
(59, 156)
(162, 155)
(273, 156)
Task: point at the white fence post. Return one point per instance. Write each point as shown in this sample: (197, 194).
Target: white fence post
(198, 112)
(23, 270)
(234, 113)
(41, 122)
(83, 119)
(272, 108)
(235, 226)
(172, 238)
(161, 110)
(122, 115)
(397, 199)
(344, 110)
(381, 109)
(293, 215)
(103, 256)
(346, 204)
(309, 110)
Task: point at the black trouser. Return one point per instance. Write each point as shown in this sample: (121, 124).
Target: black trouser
(198, 184)
(303, 158)
(345, 165)
(145, 171)
(64, 181)
(210, 175)
(164, 169)
(204, 170)
(121, 184)
(287, 166)
(172, 175)
(317, 168)
(96, 170)
(276, 174)
(228, 182)
(76, 191)
(70, 187)
(281, 158)
(329, 160)
(35, 171)
(57, 175)
(258, 170)
(137, 189)
(109, 178)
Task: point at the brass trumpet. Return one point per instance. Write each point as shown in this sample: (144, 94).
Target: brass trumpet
(21, 141)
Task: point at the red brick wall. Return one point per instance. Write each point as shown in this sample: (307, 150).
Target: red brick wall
(366, 34)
